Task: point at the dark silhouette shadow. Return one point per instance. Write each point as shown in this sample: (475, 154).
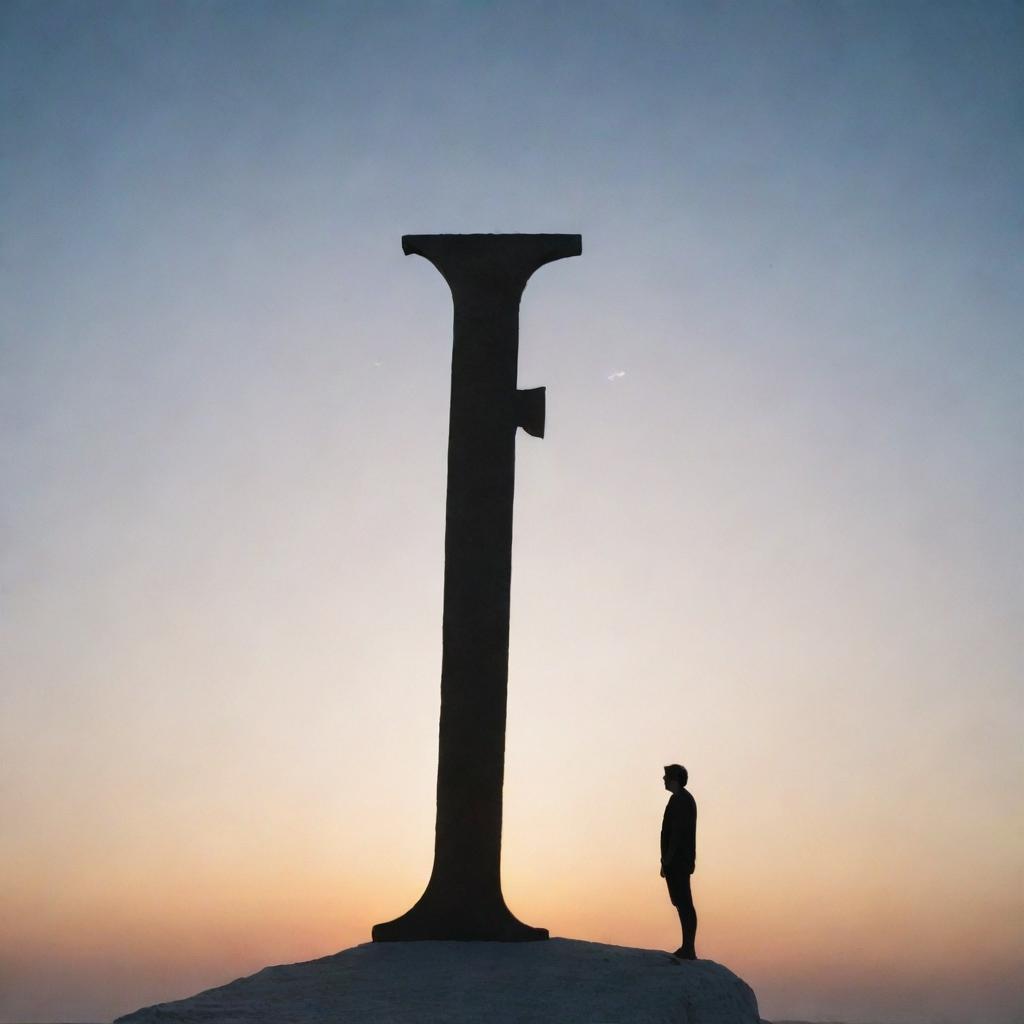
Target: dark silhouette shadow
(679, 854)
(486, 274)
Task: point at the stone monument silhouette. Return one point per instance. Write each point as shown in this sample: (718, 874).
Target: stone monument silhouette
(487, 275)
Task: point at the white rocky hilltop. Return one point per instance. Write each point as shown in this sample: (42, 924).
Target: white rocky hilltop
(562, 981)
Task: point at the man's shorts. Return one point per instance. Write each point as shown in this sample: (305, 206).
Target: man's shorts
(679, 888)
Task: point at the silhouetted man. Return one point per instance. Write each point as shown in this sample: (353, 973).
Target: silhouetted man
(679, 854)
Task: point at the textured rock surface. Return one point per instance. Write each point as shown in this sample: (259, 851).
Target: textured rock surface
(562, 982)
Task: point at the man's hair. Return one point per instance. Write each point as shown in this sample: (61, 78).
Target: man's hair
(677, 771)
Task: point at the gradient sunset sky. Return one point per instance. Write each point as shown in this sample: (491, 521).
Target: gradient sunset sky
(773, 532)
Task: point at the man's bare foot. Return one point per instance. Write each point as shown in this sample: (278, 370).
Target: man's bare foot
(685, 954)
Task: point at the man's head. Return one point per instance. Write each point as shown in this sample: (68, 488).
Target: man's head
(675, 777)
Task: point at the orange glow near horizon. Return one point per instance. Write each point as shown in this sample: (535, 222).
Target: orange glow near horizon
(166, 939)
(181, 920)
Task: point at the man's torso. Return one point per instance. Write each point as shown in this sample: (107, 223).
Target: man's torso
(679, 833)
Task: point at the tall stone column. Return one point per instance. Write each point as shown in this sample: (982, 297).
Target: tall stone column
(486, 274)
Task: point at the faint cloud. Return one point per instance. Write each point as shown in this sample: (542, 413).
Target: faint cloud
(617, 375)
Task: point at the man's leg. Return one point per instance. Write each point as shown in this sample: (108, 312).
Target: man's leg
(683, 899)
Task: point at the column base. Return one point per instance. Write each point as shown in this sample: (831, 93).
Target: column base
(431, 919)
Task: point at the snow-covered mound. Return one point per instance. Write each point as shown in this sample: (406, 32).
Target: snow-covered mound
(557, 982)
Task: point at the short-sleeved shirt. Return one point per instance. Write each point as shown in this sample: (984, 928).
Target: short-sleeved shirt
(679, 834)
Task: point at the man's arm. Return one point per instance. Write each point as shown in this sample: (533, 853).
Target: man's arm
(670, 838)
(693, 839)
